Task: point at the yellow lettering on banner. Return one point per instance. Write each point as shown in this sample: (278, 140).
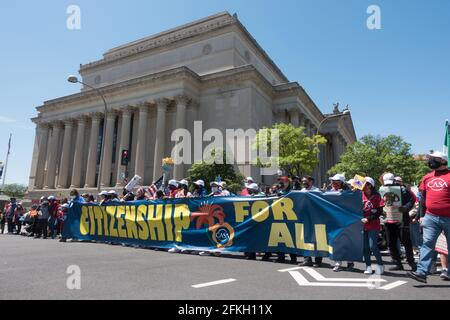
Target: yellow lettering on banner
(168, 221)
(98, 214)
(182, 220)
(260, 211)
(112, 224)
(300, 235)
(321, 238)
(284, 207)
(279, 233)
(155, 222)
(241, 210)
(84, 221)
(91, 222)
(141, 222)
(121, 222)
(130, 218)
(105, 219)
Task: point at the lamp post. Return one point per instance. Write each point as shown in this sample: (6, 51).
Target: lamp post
(74, 79)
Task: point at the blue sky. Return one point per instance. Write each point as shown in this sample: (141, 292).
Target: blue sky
(396, 80)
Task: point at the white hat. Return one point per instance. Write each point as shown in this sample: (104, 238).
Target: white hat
(388, 179)
(214, 183)
(351, 181)
(51, 198)
(249, 179)
(223, 184)
(253, 186)
(399, 179)
(200, 183)
(370, 181)
(173, 183)
(113, 192)
(438, 154)
(103, 193)
(338, 177)
(184, 182)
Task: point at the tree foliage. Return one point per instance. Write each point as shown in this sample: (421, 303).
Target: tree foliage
(14, 190)
(209, 172)
(298, 153)
(374, 155)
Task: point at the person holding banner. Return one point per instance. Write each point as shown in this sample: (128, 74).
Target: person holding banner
(434, 213)
(173, 189)
(373, 209)
(199, 189)
(398, 204)
(183, 191)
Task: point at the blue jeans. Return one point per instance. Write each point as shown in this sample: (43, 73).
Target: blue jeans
(371, 246)
(416, 237)
(432, 228)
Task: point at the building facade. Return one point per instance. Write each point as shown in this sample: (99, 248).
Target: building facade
(211, 70)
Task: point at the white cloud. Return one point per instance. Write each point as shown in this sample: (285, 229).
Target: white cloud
(6, 120)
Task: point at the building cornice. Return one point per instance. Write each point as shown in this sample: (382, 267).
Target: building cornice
(179, 36)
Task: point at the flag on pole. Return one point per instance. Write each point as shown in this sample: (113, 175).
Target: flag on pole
(9, 144)
(447, 140)
(155, 187)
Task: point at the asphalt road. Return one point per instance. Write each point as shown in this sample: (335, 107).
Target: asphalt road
(37, 269)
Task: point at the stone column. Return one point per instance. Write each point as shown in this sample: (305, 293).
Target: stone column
(65, 157)
(295, 118)
(124, 142)
(139, 167)
(44, 130)
(336, 150)
(91, 171)
(279, 116)
(52, 154)
(108, 149)
(182, 103)
(78, 158)
(160, 137)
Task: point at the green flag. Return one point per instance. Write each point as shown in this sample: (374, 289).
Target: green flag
(447, 141)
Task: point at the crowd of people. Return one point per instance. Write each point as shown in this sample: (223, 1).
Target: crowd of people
(421, 226)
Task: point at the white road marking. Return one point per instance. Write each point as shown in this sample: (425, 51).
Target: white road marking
(214, 283)
(290, 269)
(316, 275)
(393, 285)
(302, 281)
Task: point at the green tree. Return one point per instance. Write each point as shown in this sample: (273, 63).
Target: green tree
(374, 155)
(14, 190)
(298, 153)
(209, 172)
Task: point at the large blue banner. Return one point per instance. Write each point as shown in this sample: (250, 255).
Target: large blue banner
(307, 224)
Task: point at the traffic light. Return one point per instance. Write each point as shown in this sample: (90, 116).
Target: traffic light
(125, 157)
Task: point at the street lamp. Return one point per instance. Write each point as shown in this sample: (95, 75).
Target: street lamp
(74, 79)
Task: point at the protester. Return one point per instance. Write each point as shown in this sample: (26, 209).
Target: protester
(442, 249)
(52, 220)
(399, 230)
(373, 209)
(284, 185)
(103, 198)
(183, 191)
(338, 185)
(296, 183)
(2, 221)
(215, 189)
(75, 196)
(42, 219)
(248, 181)
(199, 189)
(140, 195)
(173, 189)
(113, 196)
(224, 188)
(414, 227)
(308, 184)
(10, 212)
(434, 213)
(18, 217)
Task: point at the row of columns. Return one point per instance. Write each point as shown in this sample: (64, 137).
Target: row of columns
(50, 135)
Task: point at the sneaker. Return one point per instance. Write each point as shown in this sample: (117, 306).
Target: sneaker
(337, 268)
(306, 263)
(444, 275)
(368, 271)
(317, 265)
(351, 267)
(204, 253)
(413, 267)
(379, 270)
(174, 250)
(417, 276)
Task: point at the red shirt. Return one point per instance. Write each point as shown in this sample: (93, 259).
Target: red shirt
(373, 202)
(436, 186)
(244, 192)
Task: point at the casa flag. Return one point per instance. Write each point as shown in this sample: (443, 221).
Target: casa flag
(447, 141)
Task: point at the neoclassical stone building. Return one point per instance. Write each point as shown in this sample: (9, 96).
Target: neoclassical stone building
(211, 70)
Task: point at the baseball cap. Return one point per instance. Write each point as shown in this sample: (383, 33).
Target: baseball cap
(103, 193)
(253, 186)
(370, 181)
(283, 178)
(249, 179)
(173, 183)
(184, 182)
(338, 177)
(388, 178)
(200, 183)
(438, 154)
